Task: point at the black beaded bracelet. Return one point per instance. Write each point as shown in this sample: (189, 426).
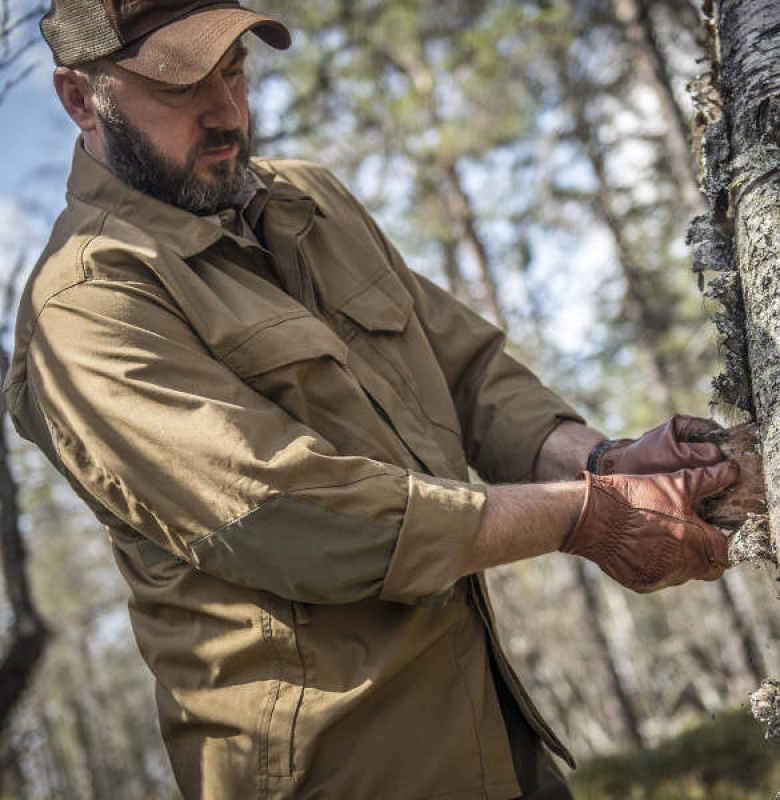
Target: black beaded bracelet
(595, 455)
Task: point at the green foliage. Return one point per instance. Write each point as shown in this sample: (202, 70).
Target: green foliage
(725, 759)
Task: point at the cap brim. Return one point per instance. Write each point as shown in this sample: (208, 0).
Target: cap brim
(187, 50)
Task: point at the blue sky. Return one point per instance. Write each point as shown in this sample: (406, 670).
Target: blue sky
(36, 141)
(34, 127)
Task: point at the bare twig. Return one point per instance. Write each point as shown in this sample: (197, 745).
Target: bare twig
(11, 82)
(5, 15)
(16, 54)
(15, 41)
(8, 26)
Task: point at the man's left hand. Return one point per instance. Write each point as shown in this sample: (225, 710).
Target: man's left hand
(642, 530)
(666, 448)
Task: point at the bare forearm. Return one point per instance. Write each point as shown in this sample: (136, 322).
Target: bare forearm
(565, 452)
(525, 520)
(661, 471)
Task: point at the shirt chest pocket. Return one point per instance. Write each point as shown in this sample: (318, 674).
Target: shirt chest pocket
(301, 366)
(391, 357)
(294, 360)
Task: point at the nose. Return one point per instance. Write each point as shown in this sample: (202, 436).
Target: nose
(221, 108)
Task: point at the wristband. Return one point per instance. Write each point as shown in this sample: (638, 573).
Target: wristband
(595, 455)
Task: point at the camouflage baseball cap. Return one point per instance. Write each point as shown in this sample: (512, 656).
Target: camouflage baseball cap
(174, 41)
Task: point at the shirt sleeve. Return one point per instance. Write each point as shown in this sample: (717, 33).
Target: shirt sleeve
(505, 412)
(147, 424)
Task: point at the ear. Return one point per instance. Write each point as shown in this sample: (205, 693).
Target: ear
(77, 97)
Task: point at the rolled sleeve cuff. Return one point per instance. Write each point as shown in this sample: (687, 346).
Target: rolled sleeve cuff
(439, 528)
(517, 466)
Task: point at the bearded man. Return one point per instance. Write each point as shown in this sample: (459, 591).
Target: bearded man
(274, 418)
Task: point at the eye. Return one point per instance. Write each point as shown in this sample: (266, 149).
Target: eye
(177, 95)
(178, 91)
(234, 73)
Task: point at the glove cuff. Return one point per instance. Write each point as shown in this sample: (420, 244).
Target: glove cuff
(569, 543)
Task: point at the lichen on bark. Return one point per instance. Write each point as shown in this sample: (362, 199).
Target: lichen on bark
(765, 705)
(740, 239)
(742, 511)
(712, 236)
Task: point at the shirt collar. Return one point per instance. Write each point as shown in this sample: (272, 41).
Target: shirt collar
(183, 232)
(234, 219)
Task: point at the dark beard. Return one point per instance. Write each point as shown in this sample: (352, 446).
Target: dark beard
(135, 160)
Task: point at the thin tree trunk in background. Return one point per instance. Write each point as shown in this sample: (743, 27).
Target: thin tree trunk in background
(709, 681)
(756, 590)
(637, 307)
(636, 303)
(461, 209)
(11, 778)
(28, 634)
(134, 747)
(457, 201)
(559, 695)
(595, 623)
(634, 16)
(94, 715)
(92, 764)
(455, 281)
(64, 789)
(754, 660)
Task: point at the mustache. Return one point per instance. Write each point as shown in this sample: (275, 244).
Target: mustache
(217, 139)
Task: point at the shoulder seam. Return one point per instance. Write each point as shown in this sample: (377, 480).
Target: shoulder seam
(83, 282)
(85, 272)
(34, 329)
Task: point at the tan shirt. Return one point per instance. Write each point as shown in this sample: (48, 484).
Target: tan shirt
(278, 438)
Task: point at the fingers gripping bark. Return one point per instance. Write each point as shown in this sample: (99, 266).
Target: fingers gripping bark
(666, 448)
(642, 529)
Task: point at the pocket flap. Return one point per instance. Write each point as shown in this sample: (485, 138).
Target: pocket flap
(381, 304)
(285, 340)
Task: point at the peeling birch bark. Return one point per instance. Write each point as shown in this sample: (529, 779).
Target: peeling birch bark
(742, 510)
(765, 705)
(748, 54)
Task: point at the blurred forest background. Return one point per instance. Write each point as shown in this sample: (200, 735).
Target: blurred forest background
(534, 157)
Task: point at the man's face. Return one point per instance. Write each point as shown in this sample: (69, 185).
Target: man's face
(185, 145)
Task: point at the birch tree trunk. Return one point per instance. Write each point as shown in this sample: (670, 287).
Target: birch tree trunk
(742, 150)
(740, 238)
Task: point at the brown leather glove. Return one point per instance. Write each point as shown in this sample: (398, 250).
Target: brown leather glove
(662, 449)
(642, 530)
